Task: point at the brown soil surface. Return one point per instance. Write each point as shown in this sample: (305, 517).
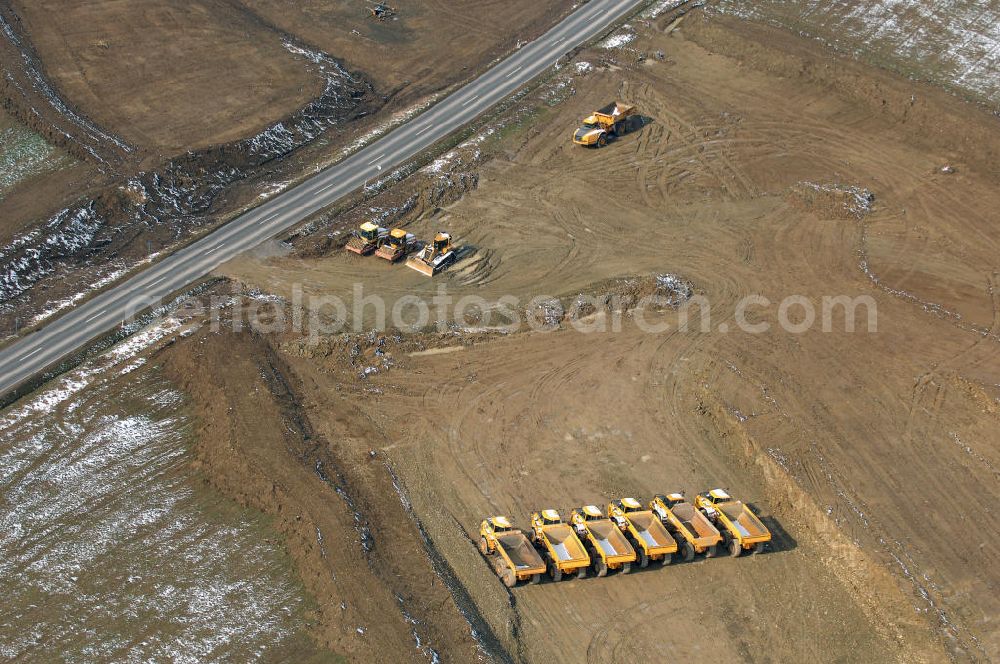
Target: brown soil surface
(424, 46)
(165, 76)
(862, 451)
(376, 591)
(186, 115)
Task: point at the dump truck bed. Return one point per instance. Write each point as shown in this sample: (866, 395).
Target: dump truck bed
(653, 534)
(623, 110)
(745, 521)
(522, 555)
(610, 540)
(564, 543)
(696, 523)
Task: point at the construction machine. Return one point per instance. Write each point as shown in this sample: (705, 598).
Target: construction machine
(366, 239)
(565, 553)
(644, 531)
(740, 528)
(434, 256)
(381, 11)
(395, 245)
(693, 531)
(509, 551)
(608, 547)
(611, 120)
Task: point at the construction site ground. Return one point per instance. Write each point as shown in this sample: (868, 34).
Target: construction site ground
(862, 450)
(765, 166)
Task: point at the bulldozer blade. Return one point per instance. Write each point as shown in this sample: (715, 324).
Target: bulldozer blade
(420, 266)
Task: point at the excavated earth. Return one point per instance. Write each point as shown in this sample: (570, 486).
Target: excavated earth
(227, 103)
(763, 166)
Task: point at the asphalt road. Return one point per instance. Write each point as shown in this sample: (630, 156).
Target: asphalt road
(45, 347)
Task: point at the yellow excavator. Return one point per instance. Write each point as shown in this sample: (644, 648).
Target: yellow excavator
(365, 240)
(611, 120)
(509, 551)
(434, 256)
(740, 528)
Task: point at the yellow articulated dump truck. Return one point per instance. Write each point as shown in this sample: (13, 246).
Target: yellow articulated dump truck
(692, 529)
(364, 240)
(644, 531)
(608, 548)
(740, 528)
(612, 120)
(510, 552)
(565, 552)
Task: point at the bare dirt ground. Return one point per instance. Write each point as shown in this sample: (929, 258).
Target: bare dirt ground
(425, 45)
(764, 166)
(169, 58)
(186, 116)
(864, 450)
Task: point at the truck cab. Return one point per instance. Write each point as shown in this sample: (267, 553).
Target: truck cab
(496, 525)
(619, 508)
(585, 514)
(368, 232)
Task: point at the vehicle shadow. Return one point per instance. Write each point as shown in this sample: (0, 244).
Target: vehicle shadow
(780, 539)
(637, 122)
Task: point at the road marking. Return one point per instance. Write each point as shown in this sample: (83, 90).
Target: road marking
(153, 283)
(376, 159)
(94, 316)
(519, 68)
(320, 191)
(267, 219)
(215, 248)
(469, 101)
(426, 127)
(558, 40)
(29, 354)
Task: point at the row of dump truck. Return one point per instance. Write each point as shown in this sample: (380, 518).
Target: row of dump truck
(627, 534)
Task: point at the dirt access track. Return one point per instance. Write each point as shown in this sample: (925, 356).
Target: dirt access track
(766, 167)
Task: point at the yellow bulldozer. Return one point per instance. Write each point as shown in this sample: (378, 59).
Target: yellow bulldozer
(510, 552)
(611, 120)
(434, 256)
(740, 528)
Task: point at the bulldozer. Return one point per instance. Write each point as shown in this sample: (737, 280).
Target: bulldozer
(434, 256)
(395, 245)
(693, 531)
(608, 548)
(559, 543)
(740, 528)
(611, 120)
(644, 531)
(510, 552)
(366, 239)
